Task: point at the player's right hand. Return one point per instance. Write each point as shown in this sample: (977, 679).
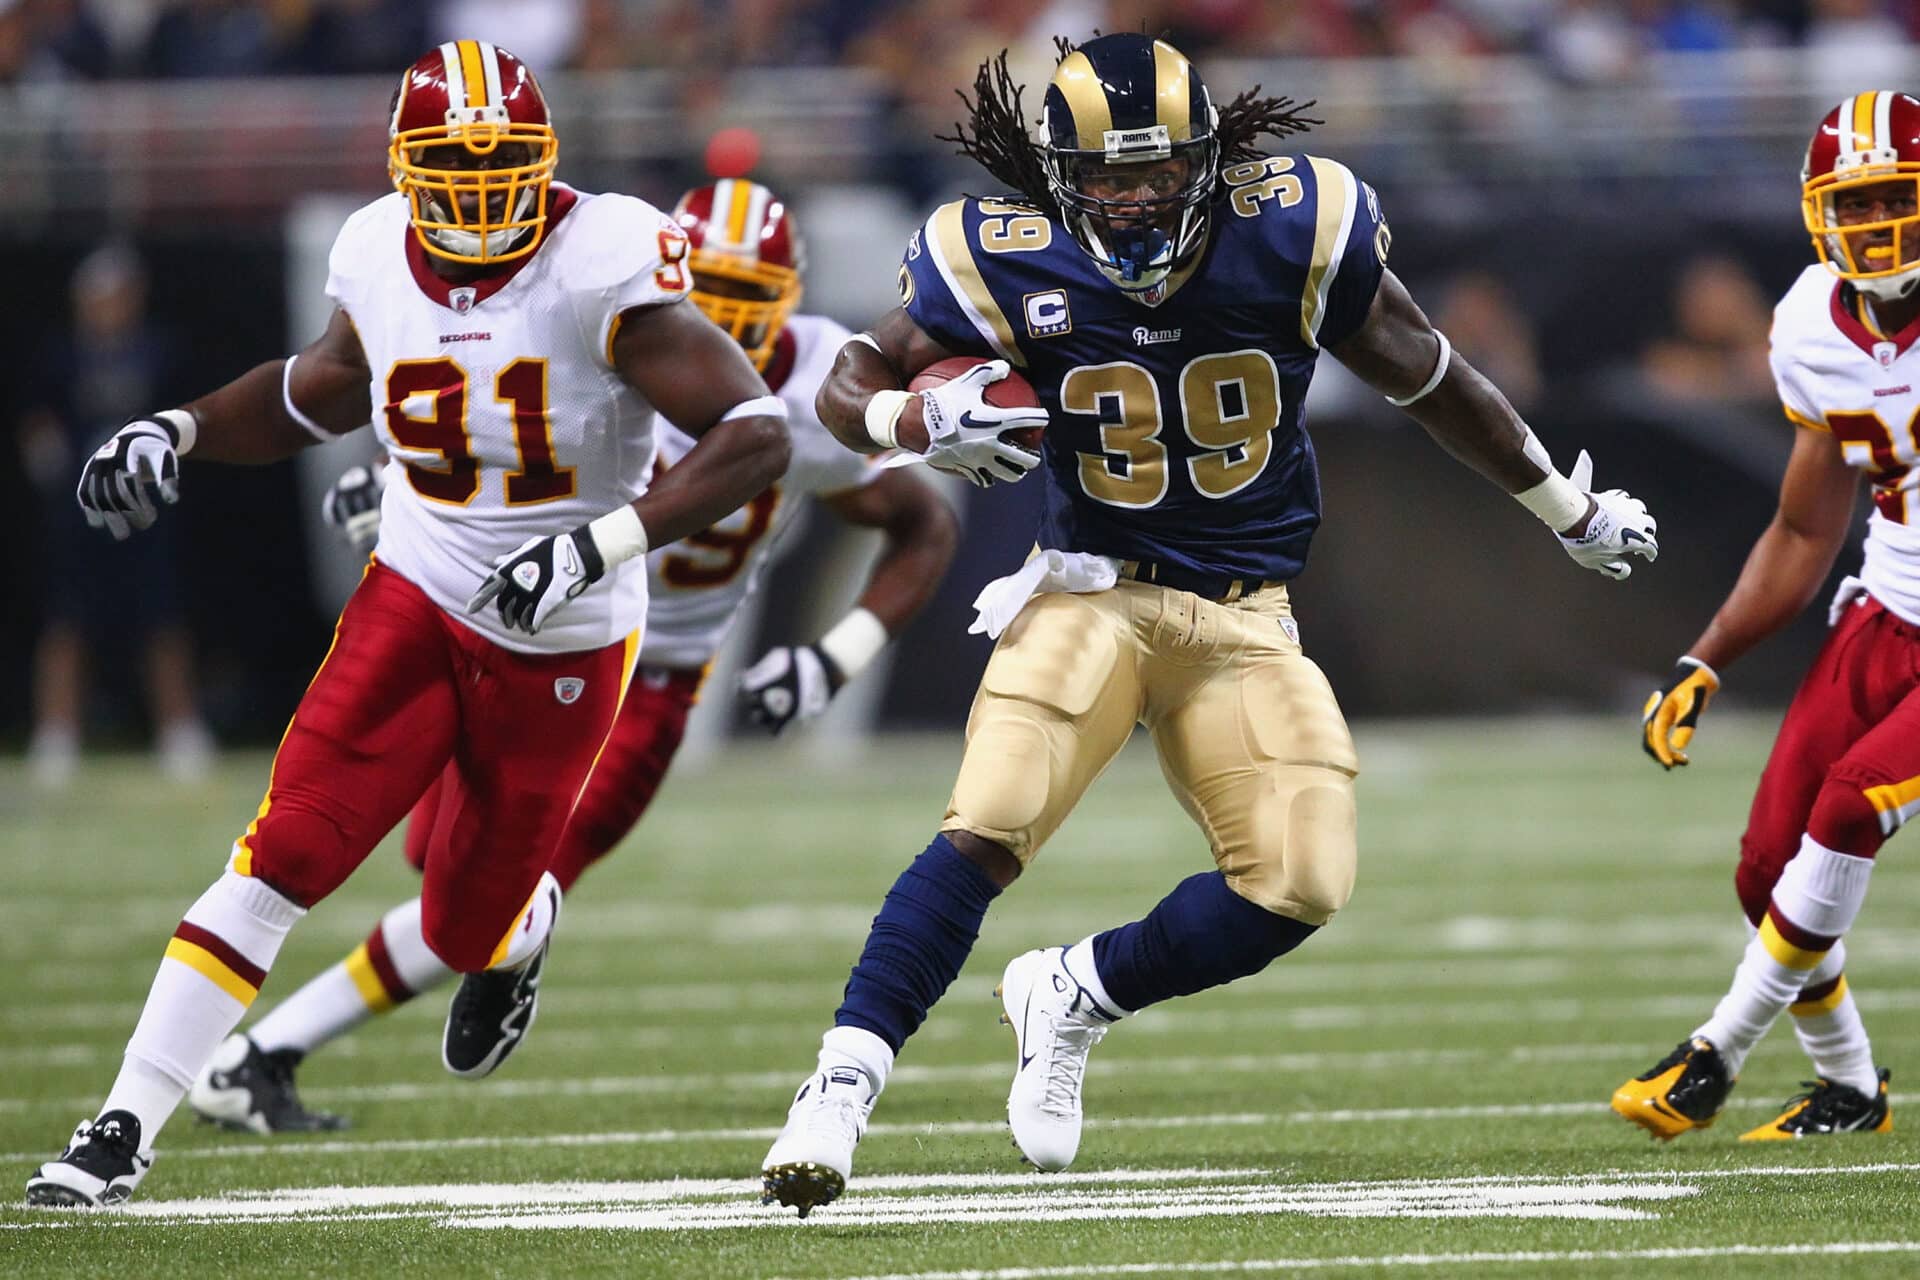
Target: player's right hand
(352, 506)
(1673, 711)
(963, 430)
(118, 483)
(1619, 527)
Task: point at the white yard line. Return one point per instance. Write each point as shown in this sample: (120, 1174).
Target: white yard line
(1110, 1195)
(1383, 1261)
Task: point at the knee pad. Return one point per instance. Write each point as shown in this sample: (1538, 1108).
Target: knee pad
(303, 855)
(1847, 819)
(1303, 853)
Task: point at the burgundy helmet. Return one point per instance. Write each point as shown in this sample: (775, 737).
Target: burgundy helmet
(747, 257)
(473, 150)
(1860, 192)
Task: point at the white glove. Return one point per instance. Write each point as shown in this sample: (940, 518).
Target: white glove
(789, 683)
(1620, 527)
(115, 483)
(352, 506)
(963, 430)
(539, 576)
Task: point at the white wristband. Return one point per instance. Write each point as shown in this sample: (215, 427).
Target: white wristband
(883, 417)
(619, 535)
(1556, 500)
(854, 641)
(184, 424)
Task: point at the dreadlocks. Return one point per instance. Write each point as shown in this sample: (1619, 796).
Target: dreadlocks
(1000, 141)
(996, 136)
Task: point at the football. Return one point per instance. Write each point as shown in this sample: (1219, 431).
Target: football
(1012, 391)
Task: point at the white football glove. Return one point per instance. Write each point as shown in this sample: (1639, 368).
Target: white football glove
(352, 506)
(117, 484)
(963, 430)
(540, 575)
(1620, 527)
(789, 683)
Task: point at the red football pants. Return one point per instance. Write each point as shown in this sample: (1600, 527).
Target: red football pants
(406, 695)
(645, 736)
(1846, 764)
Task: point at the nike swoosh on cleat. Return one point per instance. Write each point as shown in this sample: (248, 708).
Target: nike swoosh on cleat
(1656, 1104)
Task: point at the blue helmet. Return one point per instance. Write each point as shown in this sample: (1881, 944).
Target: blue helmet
(1132, 151)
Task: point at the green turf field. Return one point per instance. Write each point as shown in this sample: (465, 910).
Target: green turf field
(1419, 1091)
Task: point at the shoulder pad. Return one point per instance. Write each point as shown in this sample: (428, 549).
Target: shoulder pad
(609, 239)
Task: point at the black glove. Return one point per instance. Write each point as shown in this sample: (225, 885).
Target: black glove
(789, 683)
(115, 482)
(539, 576)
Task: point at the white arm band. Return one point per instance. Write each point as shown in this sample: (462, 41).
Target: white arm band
(1433, 379)
(855, 640)
(883, 417)
(758, 407)
(1556, 500)
(867, 339)
(311, 427)
(185, 424)
(619, 535)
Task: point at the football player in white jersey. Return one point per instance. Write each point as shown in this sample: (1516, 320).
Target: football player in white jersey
(747, 263)
(1845, 770)
(511, 339)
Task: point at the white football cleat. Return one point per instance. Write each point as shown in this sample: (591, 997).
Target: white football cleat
(812, 1158)
(1056, 1023)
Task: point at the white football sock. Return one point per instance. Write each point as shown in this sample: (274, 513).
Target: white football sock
(1820, 893)
(531, 926)
(859, 1048)
(211, 972)
(1830, 1029)
(390, 968)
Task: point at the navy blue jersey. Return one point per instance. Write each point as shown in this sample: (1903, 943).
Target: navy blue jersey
(1176, 433)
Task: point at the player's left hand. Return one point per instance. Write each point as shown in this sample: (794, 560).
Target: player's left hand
(539, 576)
(118, 483)
(789, 683)
(1618, 527)
(1674, 709)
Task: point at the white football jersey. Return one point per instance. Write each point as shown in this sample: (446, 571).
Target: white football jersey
(700, 582)
(498, 404)
(1835, 373)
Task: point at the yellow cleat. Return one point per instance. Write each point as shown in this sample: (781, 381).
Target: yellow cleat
(1684, 1090)
(1826, 1108)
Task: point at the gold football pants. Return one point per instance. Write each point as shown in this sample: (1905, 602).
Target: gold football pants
(1249, 736)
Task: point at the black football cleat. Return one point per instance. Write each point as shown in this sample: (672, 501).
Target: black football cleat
(247, 1088)
(1826, 1108)
(1684, 1090)
(490, 1015)
(100, 1167)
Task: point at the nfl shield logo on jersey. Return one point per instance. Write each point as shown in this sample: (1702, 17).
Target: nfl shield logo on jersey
(567, 689)
(462, 300)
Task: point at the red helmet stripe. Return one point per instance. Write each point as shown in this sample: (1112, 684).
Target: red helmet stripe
(473, 69)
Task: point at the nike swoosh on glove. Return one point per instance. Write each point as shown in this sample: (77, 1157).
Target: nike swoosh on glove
(535, 579)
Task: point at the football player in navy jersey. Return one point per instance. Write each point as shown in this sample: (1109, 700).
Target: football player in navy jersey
(1166, 288)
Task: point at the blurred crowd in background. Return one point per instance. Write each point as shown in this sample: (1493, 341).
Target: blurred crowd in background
(1580, 40)
(1602, 227)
